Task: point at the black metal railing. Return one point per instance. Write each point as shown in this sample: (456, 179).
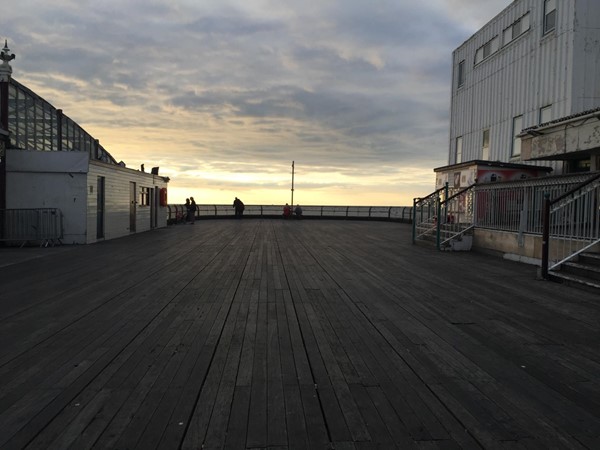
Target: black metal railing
(178, 213)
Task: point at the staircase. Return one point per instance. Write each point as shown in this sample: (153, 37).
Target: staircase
(445, 218)
(571, 236)
(457, 238)
(583, 272)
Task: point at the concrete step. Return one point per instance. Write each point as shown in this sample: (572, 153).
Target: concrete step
(582, 269)
(590, 259)
(576, 281)
(444, 233)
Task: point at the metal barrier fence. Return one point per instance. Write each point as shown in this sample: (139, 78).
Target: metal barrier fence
(40, 225)
(514, 206)
(177, 213)
(517, 206)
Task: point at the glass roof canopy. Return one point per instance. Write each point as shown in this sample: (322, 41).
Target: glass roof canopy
(34, 124)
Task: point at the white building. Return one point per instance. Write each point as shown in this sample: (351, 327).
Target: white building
(56, 177)
(536, 62)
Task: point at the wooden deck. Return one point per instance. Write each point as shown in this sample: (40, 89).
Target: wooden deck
(292, 334)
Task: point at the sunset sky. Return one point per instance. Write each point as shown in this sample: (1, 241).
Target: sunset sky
(224, 94)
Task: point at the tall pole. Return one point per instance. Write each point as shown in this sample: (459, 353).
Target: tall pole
(292, 204)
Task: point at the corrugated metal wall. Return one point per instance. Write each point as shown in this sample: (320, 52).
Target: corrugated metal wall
(530, 72)
(586, 86)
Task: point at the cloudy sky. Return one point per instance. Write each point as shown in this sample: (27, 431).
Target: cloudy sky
(224, 94)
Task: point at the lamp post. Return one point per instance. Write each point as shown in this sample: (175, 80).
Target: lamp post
(292, 204)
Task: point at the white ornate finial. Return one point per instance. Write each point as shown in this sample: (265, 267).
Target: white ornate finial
(5, 56)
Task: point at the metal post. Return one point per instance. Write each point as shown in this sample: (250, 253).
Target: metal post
(545, 236)
(5, 75)
(414, 221)
(292, 204)
(439, 221)
(439, 214)
(3, 145)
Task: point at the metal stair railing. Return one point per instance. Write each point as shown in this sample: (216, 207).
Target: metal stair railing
(571, 224)
(456, 216)
(425, 211)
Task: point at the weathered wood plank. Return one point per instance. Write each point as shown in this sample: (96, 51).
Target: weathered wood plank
(292, 334)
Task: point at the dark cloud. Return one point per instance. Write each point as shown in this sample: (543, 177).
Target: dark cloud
(238, 26)
(349, 85)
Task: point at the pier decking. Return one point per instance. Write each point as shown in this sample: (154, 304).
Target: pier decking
(292, 334)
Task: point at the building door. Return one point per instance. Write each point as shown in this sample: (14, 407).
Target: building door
(100, 204)
(133, 201)
(156, 205)
(152, 204)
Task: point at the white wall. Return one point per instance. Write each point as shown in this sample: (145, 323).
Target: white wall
(117, 200)
(586, 82)
(50, 180)
(68, 181)
(530, 72)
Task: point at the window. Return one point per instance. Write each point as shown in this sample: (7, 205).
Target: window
(459, 144)
(461, 73)
(517, 127)
(549, 15)
(144, 196)
(579, 165)
(518, 27)
(545, 114)
(457, 180)
(487, 49)
(485, 145)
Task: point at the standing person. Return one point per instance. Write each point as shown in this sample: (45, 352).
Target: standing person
(239, 208)
(187, 209)
(193, 209)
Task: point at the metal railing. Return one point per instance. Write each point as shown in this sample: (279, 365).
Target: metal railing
(571, 224)
(426, 211)
(177, 213)
(42, 225)
(517, 206)
(456, 216)
(514, 206)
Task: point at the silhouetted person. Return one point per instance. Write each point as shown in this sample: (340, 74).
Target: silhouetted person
(192, 210)
(239, 208)
(298, 212)
(188, 205)
(287, 211)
